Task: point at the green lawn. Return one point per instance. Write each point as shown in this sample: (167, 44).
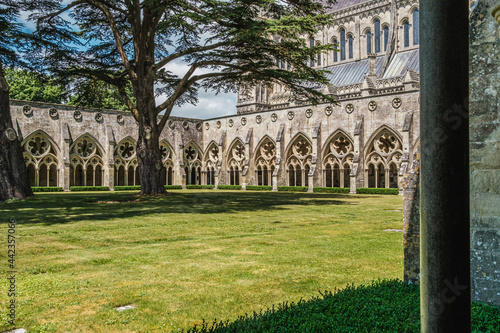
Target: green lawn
(189, 255)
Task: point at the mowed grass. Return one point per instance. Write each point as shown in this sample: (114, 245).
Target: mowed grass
(188, 255)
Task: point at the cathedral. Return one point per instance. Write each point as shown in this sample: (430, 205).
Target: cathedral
(368, 139)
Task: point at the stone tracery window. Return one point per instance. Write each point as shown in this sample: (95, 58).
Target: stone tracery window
(337, 162)
(167, 171)
(86, 164)
(40, 156)
(298, 162)
(236, 160)
(265, 162)
(192, 164)
(126, 165)
(212, 157)
(383, 160)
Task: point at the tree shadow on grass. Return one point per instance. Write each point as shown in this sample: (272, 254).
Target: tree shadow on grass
(57, 208)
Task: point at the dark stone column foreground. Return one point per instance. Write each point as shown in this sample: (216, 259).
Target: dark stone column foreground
(445, 236)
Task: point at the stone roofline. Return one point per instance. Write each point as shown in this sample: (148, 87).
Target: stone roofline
(65, 107)
(364, 7)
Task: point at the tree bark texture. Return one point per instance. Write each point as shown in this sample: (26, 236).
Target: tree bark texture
(14, 183)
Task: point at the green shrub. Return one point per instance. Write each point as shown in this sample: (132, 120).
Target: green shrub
(173, 187)
(390, 191)
(88, 188)
(382, 306)
(47, 189)
(229, 187)
(259, 188)
(200, 187)
(128, 188)
(293, 188)
(331, 190)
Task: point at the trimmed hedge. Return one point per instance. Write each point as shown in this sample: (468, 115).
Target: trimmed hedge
(47, 189)
(173, 187)
(293, 188)
(128, 188)
(389, 191)
(331, 190)
(88, 188)
(229, 187)
(200, 187)
(381, 306)
(259, 188)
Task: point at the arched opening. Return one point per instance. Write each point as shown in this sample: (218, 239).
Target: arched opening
(386, 37)
(416, 27)
(266, 176)
(307, 168)
(137, 176)
(53, 175)
(393, 176)
(42, 176)
(32, 175)
(351, 46)
(163, 175)
(311, 44)
(347, 175)
(335, 53)
(371, 176)
(342, 45)
(381, 176)
(89, 175)
(377, 36)
(78, 176)
(291, 176)
(298, 176)
(406, 34)
(336, 176)
(131, 174)
(259, 175)
(328, 176)
(120, 176)
(193, 177)
(368, 42)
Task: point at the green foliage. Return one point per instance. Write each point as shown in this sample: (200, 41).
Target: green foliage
(88, 188)
(98, 94)
(331, 190)
(229, 187)
(293, 188)
(32, 86)
(199, 187)
(259, 188)
(173, 187)
(128, 188)
(389, 191)
(382, 306)
(47, 189)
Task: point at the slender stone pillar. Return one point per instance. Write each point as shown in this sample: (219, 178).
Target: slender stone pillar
(445, 236)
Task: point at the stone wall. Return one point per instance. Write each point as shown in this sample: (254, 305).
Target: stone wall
(485, 152)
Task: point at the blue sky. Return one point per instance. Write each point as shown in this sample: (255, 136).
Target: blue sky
(210, 105)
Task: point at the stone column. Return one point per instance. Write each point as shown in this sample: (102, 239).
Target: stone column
(444, 250)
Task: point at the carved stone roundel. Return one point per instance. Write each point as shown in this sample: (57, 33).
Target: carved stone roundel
(99, 117)
(290, 115)
(120, 120)
(219, 124)
(207, 126)
(185, 125)
(199, 127)
(301, 148)
(274, 117)
(349, 108)
(85, 148)
(77, 115)
(372, 106)
(258, 119)
(243, 121)
(328, 110)
(231, 123)
(27, 110)
(11, 134)
(386, 143)
(171, 124)
(53, 113)
(396, 103)
(309, 113)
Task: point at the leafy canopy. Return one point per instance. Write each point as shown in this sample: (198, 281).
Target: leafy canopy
(224, 43)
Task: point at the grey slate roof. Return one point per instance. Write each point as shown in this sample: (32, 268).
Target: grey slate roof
(354, 72)
(402, 62)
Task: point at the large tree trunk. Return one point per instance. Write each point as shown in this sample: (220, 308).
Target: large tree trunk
(14, 181)
(148, 143)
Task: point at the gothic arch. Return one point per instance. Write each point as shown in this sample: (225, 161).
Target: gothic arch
(338, 155)
(236, 158)
(298, 160)
(383, 158)
(167, 158)
(191, 156)
(86, 162)
(41, 155)
(211, 160)
(265, 161)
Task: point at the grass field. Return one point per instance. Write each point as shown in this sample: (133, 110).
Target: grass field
(189, 255)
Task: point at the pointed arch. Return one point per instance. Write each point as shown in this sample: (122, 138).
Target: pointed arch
(41, 156)
(265, 160)
(295, 137)
(210, 145)
(191, 155)
(332, 135)
(299, 160)
(338, 155)
(86, 161)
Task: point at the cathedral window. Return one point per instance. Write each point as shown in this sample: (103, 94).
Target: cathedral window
(416, 27)
(368, 42)
(342, 45)
(318, 62)
(311, 45)
(406, 33)
(386, 37)
(377, 36)
(351, 46)
(335, 53)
